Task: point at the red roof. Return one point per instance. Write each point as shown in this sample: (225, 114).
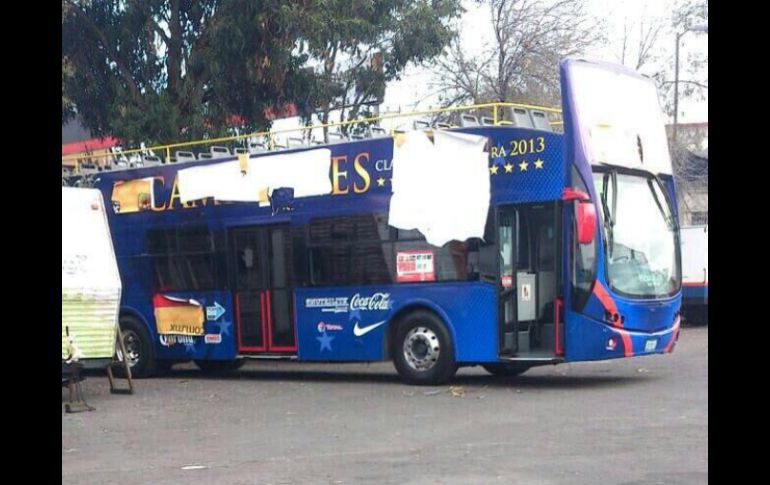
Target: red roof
(89, 145)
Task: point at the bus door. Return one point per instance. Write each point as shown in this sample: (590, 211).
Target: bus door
(263, 304)
(528, 238)
(507, 304)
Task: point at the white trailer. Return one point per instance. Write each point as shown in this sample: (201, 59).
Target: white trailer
(695, 273)
(91, 286)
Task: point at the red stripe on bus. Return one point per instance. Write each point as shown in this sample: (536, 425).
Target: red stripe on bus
(628, 347)
(608, 303)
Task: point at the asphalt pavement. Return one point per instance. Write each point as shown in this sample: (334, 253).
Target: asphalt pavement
(631, 421)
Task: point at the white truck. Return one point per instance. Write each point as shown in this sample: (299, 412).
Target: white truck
(91, 286)
(695, 273)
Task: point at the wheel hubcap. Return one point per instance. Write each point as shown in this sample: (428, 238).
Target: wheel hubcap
(421, 349)
(133, 346)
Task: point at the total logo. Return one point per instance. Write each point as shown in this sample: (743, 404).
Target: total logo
(377, 301)
(323, 327)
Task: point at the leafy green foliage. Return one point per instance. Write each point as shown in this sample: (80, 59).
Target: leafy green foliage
(165, 70)
(168, 70)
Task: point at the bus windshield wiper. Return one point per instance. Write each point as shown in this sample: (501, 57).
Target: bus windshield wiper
(609, 213)
(668, 217)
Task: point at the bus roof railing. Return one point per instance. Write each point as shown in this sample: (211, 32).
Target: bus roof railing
(492, 114)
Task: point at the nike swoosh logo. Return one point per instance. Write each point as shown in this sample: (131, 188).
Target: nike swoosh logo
(361, 331)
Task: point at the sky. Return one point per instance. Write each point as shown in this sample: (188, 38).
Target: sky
(414, 90)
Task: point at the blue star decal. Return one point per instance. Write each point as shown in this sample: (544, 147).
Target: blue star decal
(354, 314)
(189, 347)
(224, 327)
(326, 341)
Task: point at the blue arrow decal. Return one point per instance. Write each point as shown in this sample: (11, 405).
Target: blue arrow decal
(214, 312)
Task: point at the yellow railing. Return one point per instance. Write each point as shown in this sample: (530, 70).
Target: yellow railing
(270, 134)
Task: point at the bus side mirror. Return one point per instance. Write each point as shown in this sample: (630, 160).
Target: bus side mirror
(585, 216)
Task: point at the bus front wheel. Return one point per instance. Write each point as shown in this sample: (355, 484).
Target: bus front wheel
(423, 353)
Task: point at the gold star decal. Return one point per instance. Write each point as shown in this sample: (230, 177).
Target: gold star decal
(493, 170)
(538, 164)
(508, 168)
(380, 182)
(523, 165)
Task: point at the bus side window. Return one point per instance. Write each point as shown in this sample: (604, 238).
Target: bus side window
(182, 259)
(301, 259)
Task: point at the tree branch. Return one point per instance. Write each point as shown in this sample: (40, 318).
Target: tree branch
(112, 55)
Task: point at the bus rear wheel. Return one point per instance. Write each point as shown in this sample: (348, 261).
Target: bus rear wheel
(422, 351)
(139, 351)
(219, 366)
(505, 369)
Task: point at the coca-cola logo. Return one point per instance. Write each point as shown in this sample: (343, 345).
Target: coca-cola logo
(377, 301)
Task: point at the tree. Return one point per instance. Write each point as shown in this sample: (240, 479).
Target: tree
(530, 37)
(169, 70)
(358, 46)
(689, 159)
(165, 70)
(649, 51)
(66, 72)
(693, 76)
(641, 51)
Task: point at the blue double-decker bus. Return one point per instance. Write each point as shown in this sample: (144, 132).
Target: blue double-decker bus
(579, 257)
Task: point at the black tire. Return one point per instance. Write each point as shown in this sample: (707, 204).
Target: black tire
(696, 315)
(219, 366)
(411, 350)
(141, 354)
(508, 369)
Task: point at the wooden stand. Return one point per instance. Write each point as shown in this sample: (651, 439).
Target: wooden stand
(120, 360)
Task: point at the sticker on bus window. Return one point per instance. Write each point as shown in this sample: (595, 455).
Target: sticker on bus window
(415, 266)
(178, 316)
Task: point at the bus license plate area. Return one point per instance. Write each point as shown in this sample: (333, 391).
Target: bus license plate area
(650, 345)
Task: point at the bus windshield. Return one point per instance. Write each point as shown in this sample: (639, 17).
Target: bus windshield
(640, 235)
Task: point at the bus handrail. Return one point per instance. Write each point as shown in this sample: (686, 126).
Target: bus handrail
(79, 158)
